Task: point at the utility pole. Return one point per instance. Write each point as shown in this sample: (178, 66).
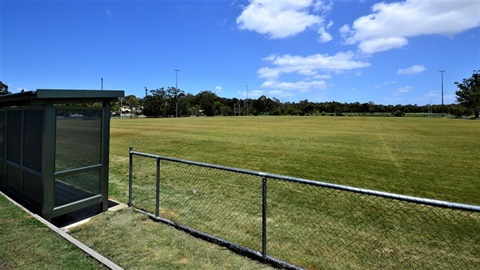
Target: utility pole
(176, 92)
(441, 73)
(101, 87)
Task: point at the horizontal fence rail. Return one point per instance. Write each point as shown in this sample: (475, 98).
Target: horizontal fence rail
(298, 223)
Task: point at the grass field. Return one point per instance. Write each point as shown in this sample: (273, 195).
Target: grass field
(434, 158)
(425, 157)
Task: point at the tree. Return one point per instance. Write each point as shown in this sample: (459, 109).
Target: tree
(186, 105)
(260, 105)
(3, 89)
(468, 93)
(132, 102)
(115, 107)
(155, 104)
(206, 100)
(174, 96)
(398, 113)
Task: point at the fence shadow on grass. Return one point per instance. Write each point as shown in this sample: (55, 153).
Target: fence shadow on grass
(297, 223)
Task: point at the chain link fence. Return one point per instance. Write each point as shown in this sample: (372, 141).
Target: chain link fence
(297, 223)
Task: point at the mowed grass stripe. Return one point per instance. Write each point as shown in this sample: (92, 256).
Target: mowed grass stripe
(434, 158)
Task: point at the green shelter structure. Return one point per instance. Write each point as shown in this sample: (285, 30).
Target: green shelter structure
(54, 149)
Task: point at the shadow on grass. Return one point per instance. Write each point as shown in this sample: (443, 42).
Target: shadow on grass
(79, 215)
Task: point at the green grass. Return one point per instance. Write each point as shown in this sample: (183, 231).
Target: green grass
(433, 158)
(135, 242)
(425, 157)
(28, 244)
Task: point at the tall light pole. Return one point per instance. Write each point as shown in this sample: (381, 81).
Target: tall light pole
(441, 73)
(176, 92)
(246, 102)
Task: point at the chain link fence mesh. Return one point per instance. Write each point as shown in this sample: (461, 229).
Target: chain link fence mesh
(310, 226)
(345, 230)
(220, 203)
(143, 183)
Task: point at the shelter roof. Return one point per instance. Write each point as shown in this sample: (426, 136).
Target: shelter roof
(59, 96)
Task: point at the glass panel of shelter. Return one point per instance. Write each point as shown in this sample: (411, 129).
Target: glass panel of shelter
(77, 145)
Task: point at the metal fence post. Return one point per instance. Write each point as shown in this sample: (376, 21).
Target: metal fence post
(130, 176)
(264, 217)
(157, 190)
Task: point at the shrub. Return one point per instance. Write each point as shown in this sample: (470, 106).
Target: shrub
(398, 113)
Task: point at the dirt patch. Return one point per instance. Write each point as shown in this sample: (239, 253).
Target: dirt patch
(3, 266)
(168, 214)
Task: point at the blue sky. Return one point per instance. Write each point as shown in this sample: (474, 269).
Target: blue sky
(386, 52)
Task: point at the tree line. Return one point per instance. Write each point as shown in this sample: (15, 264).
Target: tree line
(173, 102)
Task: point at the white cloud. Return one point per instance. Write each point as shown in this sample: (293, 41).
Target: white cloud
(346, 32)
(322, 6)
(254, 94)
(411, 70)
(403, 89)
(312, 69)
(324, 36)
(218, 88)
(278, 19)
(282, 19)
(382, 44)
(431, 97)
(385, 83)
(309, 65)
(280, 93)
(322, 76)
(302, 86)
(390, 24)
(266, 72)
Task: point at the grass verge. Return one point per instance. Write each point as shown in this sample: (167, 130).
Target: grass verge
(134, 241)
(28, 244)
